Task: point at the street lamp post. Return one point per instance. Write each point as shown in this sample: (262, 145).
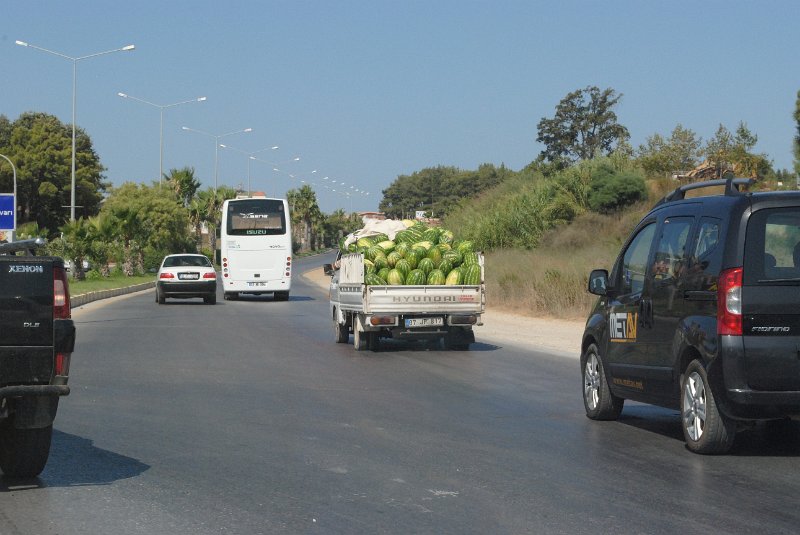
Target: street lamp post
(216, 145)
(275, 169)
(250, 156)
(161, 107)
(74, 101)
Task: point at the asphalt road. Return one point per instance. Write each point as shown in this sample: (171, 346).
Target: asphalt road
(245, 417)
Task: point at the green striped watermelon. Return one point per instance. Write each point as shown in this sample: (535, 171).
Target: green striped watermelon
(416, 278)
(374, 280)
(436, 277)
(426, 265)
(395, 277)
(472, 274)
(454, 277)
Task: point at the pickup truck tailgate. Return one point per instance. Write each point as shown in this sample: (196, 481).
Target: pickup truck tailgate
(424, 299)
(26, 319)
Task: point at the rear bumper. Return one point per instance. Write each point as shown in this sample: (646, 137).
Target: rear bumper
(188, 288)
(16, 391)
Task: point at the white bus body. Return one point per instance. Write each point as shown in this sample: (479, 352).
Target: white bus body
(256, 247)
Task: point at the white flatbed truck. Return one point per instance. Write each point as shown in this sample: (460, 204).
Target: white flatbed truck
(372, 312)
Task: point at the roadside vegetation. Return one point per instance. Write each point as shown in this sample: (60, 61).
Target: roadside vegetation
(542, 227)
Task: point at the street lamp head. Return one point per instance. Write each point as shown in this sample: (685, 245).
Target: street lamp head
(123, 95)
(247, 130)
(128, 47)
(297, 159)
(275, 147)
(223, 146)
(21, 43)
(201, 99)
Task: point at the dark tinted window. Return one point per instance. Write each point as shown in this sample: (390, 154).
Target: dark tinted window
(256, 217)
(187, 261)
(772, 249)
(634, 262)
(670, 258)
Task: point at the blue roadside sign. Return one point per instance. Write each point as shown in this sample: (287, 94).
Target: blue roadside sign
(7, 219)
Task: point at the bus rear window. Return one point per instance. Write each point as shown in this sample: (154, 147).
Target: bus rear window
(256, 217)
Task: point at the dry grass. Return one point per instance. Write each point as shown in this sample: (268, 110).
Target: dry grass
(551, 280)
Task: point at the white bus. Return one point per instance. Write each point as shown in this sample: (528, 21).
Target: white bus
(256, 247)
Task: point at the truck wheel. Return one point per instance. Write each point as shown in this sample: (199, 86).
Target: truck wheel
(359, 339)
(341, 332)
(599, 402)
(373, 341)
(24, 452)
(705, 428)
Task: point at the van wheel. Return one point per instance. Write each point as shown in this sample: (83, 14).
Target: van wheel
(24, 452)
(341, 332)
(705, 429)
(599, 402)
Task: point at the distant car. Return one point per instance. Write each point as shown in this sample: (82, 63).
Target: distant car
(186, 275)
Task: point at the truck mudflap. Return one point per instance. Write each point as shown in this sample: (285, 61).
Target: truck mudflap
(32, 406)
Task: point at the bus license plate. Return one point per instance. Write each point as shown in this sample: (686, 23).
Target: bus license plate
(425, 322)
(256, 283)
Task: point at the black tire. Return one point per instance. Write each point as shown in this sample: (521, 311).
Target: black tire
(230, 296)
(599, 402)
(359, 339)
(210, 299)
(281, 296)
(705, 429)
(373, 341)
(161, 298)
(340, 332)
(24, 452)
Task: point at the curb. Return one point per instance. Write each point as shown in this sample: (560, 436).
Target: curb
(82, 299)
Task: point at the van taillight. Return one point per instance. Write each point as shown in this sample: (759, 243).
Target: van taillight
(61, 307)
(729, 302)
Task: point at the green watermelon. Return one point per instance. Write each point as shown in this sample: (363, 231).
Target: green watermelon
(383, 273)
(392, 258)
(374, 280)
(446, 237)
(373, 251)
(435, 254)
(426, 265)
(416, 278)
(453, 256)
(365, 242)
(395, 277)
(466, 246)
(402, 249)
(432, 234)
(380, 262)
(436, 277)
(387, 245)
(469, 259)
(379, 238)
(472, 274)
(414, 256)
(403, 266)
(445, 266)
(454, 278)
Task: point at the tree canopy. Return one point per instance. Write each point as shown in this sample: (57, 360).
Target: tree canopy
(41, 148)
(584, 127)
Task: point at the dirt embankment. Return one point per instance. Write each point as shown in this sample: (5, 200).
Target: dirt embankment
(562, 336)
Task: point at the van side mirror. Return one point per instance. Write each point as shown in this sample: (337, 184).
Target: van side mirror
(328, 269)
(598, 282)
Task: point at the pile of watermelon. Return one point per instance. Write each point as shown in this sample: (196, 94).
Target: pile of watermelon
(418, 255)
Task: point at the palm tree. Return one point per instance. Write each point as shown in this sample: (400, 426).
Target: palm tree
(103, 234)
(212, 201)
(305, 213)
(77, 244)
(183, 183)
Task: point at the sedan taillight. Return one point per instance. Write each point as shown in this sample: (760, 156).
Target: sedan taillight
(166, 275)
(209, 275)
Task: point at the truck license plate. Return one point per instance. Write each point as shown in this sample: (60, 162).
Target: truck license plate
(256, 283)
(425, 322)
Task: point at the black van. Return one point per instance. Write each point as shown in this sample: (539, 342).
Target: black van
(701, 313)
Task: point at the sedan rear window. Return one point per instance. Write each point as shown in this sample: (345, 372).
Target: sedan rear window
(187, 261)
(772, 249)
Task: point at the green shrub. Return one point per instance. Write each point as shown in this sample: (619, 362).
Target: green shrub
(610, 191)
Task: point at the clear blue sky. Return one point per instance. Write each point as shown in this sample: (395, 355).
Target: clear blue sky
(364, 91)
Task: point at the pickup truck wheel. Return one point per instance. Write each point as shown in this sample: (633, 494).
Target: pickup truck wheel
(341, 332)
(24, 452)
(705, 428)
(599, 402)
(359, 339)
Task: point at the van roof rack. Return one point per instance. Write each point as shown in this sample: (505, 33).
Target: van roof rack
(732, 187)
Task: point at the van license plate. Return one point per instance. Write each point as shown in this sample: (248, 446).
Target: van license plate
(256, 283)
(425, 322)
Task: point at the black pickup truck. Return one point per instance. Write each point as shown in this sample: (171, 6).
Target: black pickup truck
(37, 337)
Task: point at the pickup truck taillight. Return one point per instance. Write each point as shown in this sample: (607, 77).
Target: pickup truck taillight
(61, 307)
(729, 302)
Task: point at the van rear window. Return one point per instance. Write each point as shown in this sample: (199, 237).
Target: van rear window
(772, 247)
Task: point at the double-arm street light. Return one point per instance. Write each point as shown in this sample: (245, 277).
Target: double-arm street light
(161, 107)
(250, 156)
(74, 100)
(216, 145)
(295, 159)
